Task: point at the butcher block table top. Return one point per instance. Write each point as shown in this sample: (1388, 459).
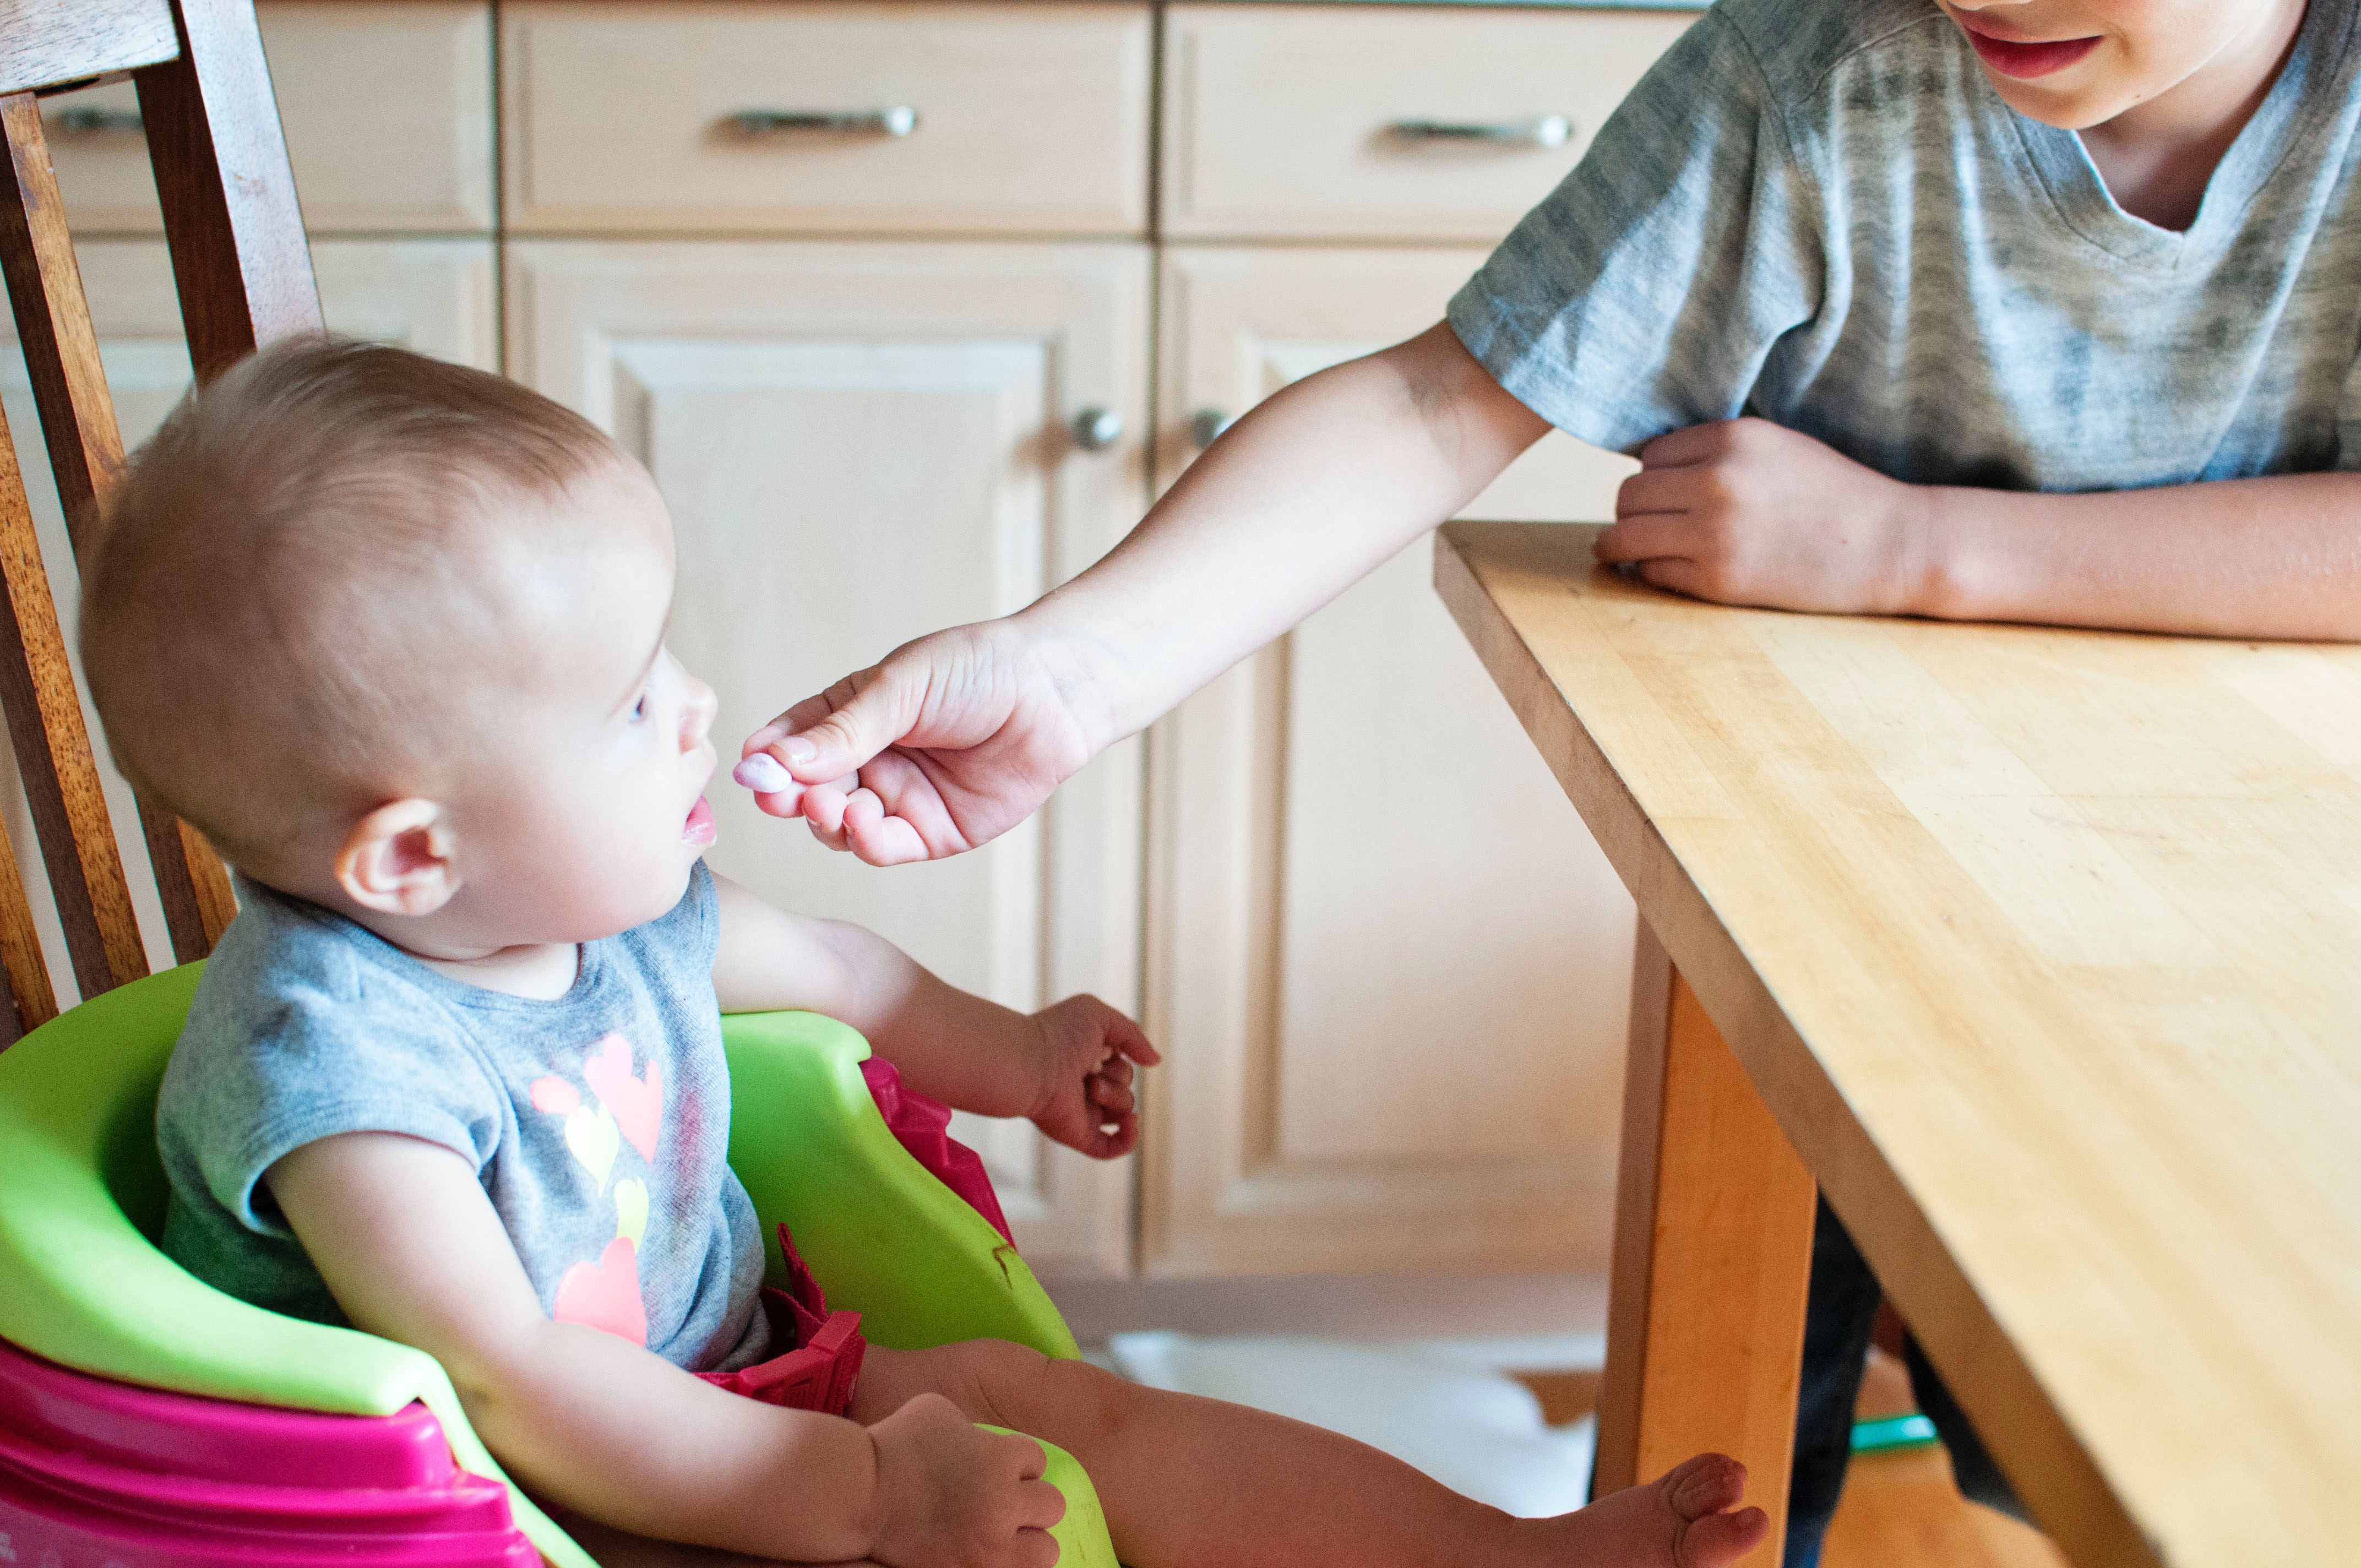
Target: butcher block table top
(2043, 948)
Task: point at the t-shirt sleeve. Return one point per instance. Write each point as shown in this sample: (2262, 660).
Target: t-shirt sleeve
(268, 1066)
(1643, 295)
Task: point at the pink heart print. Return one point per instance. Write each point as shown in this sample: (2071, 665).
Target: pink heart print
(605, 1294)
(555, 1096)
(638, 1104)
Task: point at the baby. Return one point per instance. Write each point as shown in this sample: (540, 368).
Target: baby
(392, 633)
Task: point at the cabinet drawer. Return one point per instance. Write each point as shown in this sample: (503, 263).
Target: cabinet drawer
(1011, 118)
(1329, 121)
(387, 110)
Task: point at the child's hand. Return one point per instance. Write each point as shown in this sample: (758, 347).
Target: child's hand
(1087, 1049)
(1745, 511)
(950, 1495)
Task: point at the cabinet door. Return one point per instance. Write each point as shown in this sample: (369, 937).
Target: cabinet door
(433, 295)
(386, 108)
(860, 443)
(1389, 969)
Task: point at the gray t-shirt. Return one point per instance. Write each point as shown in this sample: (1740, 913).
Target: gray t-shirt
(599, 1122)
(1822, 214)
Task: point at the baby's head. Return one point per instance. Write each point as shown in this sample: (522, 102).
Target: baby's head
(2079, 63)
(390, 632)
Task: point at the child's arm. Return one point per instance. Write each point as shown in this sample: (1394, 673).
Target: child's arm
(1068, 1067)
(1309, 490)
(411, 1248)
(1747, 513)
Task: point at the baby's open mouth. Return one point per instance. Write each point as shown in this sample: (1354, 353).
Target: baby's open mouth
(2026, 59)
(698, 828)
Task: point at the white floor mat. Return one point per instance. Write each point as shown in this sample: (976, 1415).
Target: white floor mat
(1471, 1427)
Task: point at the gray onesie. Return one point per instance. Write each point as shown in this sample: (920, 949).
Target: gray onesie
(599, 1122)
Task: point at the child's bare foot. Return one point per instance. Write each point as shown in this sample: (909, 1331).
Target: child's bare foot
(1684, 1520)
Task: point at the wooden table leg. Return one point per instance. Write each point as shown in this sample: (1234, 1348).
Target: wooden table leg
(1713, 1251)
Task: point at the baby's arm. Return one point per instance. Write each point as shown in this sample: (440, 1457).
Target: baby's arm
(407, 1240)
(1747, 513)
(1068, 1067)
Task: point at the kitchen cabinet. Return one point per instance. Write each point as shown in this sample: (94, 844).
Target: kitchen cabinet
(911, 309)
(859, 443)
(1393, 972)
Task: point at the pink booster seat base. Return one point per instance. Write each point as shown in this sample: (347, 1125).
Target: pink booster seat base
(95, 1474)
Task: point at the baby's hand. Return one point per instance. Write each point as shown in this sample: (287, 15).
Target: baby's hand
(950, 1495)
(1087, 1049)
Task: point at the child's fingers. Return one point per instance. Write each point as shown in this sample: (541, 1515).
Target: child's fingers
(1114, 1139)
(1652, 537)
(1126, 1037)
(877, 838)
(1110, 1096)
(822, 809)
(1659, 490)
(1678, 576)
(1681, 448)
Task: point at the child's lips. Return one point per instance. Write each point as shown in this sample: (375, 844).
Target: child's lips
(698, 828)
(2025, 61)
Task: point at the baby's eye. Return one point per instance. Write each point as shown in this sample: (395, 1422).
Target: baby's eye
(640, 708)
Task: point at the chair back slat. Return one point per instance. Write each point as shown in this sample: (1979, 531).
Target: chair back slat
(191, 881)
(44, 44)
(61, 785)
(53, 324)
(243, 272)
(33, 1001)
(231, 219)
(85, 449)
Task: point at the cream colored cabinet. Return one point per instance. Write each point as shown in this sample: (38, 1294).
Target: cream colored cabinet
(1390, 969)
(386, 107)
(1384, 122)
(947, 118)
(437, 296)
(845, 274)
(861, 442)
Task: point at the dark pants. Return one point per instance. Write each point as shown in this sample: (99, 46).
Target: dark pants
(1837, 1327)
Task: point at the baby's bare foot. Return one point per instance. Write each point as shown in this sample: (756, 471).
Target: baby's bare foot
(1684, 1520)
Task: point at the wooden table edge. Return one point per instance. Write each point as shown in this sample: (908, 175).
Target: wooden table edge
(2029, 1436)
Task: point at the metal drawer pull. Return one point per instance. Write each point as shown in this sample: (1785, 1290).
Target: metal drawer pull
(1540, 130)
(897, 121)
(86, 122)
(1206, 426)
(1096, 429)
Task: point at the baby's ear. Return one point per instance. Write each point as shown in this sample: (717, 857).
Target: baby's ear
(397, 859)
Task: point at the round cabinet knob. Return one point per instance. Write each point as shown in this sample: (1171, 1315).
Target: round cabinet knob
(1206, 425)
(1097, 429)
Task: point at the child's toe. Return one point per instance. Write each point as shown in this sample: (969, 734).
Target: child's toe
(1704, 1484)
(1719, 1539)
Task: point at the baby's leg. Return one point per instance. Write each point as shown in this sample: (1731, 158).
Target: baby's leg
(1193, 1483)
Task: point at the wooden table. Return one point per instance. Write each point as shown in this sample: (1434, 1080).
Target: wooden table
(2042, 950)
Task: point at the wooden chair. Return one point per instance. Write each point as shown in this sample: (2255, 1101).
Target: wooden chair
(244, 276)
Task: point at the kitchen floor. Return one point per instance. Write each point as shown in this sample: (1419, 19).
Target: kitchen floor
(1900, 1509)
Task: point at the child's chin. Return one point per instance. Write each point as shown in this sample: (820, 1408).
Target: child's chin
(612, 916)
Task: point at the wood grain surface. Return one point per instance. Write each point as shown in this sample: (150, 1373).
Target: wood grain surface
(227, 188)
(53, 757)
(44, 42)
(1713, 1256)
(2039, 945)
(243, 273)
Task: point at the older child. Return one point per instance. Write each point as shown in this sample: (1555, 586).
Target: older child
(391, 632)
(2021, 309)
